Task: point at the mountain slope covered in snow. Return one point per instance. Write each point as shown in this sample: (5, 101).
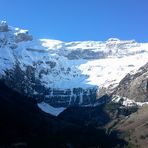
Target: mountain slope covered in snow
(65, 74)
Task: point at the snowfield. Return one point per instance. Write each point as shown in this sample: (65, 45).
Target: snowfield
(50, 109)
(63, 65)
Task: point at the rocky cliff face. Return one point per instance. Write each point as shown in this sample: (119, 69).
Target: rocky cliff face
(28, 68)
(26, 83)
(135, 86)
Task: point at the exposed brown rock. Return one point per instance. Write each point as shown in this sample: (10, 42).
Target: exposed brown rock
(135, 86)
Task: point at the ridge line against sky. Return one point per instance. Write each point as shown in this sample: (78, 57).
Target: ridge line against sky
(79, 20)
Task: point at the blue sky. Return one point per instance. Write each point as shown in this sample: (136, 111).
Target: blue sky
(71, 20)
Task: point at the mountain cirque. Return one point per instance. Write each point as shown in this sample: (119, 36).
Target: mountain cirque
(67, 74)
(70, 81)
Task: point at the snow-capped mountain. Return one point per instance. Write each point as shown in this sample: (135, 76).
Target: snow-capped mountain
(64, 74)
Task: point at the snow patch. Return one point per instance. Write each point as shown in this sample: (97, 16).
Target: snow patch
(50, 109)
(127, 102)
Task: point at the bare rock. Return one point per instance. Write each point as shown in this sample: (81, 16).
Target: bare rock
(3, 26)
(23, 36)
(135, 86)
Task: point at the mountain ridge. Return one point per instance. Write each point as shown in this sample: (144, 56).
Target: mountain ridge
(66, 74)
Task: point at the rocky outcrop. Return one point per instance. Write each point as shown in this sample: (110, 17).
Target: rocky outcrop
(3, 26)
(71, 97)
(135, 86)
(23, 36)
(85, 54)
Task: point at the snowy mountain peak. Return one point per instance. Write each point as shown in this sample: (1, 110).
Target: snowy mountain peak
(113, 40)
(17, 35)
(71, 70)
